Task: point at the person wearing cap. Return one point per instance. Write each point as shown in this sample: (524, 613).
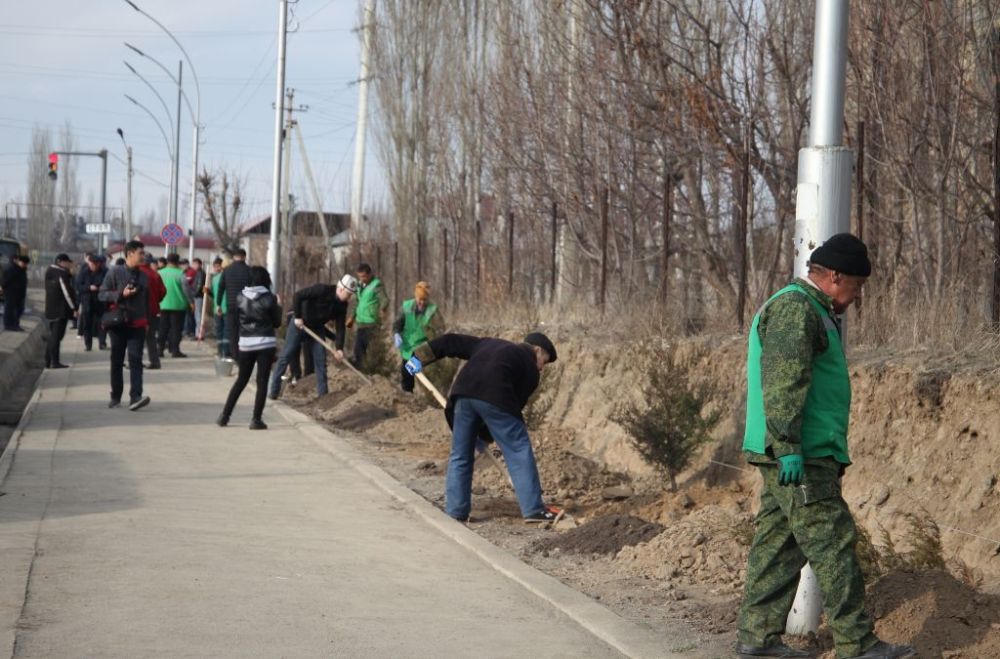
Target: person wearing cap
(489, 394)
(419, 320)
(15, 291)
(88, 284)
(60, 306)
(798, 408)
(314, 307)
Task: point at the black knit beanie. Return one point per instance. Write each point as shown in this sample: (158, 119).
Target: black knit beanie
(844, 253)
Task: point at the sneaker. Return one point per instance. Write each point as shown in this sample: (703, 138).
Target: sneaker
(548, 514)
(139, 403)
(257, 424)
(152, 367)
(286, 377)
(113, 404)
(178, 354)
(272, 396)
(59, 366)
(222, 421)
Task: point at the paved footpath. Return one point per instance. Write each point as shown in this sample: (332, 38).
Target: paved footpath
(158, 534)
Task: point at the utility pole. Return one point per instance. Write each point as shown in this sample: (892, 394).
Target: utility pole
(320, 216)
(272, 245)
(822, 204)
(358, 176)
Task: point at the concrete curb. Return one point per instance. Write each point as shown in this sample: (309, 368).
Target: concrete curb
(631, 639)
(11, 369)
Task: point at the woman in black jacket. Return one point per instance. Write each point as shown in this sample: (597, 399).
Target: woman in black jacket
(259, 315)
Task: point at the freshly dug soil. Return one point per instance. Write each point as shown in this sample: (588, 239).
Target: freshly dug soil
(937, 614)
(604, 535)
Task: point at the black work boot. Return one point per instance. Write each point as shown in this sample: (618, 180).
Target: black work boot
(776, 650)
(883, 650)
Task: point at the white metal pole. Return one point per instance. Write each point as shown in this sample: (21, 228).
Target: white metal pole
(128, 194)
(822, 206)
(279, 108)
(358, 177)
(194, 187)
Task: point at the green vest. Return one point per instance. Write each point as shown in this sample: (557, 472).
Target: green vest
(173, 281)
(828, 404)
(216, 280)
(368, 303)
(414, 326)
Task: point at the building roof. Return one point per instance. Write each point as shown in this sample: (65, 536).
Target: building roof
(154, 240)
(336, 223)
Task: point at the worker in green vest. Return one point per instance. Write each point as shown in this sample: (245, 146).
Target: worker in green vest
(798, 408)
(419, 321)
(368, 313)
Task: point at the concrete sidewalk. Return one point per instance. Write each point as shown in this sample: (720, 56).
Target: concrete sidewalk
(157, 533)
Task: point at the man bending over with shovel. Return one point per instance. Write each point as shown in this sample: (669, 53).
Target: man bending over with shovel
(490, 392)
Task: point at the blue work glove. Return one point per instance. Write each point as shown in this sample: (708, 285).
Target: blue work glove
(397, 339)
(414, 365)
(790, 470)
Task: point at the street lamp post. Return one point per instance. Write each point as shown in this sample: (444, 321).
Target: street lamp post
(127, 228)
(166, 140)
(197, 124)
(175, 158)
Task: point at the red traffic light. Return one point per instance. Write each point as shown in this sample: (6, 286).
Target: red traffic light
(53, 165)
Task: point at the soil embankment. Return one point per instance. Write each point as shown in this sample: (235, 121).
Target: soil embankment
(925, 443)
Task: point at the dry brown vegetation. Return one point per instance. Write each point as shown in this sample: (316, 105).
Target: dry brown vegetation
(633, 123)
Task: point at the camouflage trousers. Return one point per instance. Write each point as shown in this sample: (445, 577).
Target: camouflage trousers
(795, 525)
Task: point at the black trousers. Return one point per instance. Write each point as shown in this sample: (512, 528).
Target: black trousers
(233, 330)
(171, 329)
(362, 339)
(406, 381)
(152, 350)
(126, 340)
(90, 316)
(57, 330)
(12, 308)
(246, 361)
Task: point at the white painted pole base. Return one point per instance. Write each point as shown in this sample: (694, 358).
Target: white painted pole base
(807, 607)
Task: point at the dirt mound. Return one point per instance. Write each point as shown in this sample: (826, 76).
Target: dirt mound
(360, 416)
(707, 547)
(567, 474)
(425, 426)
(604, 535)
(937, 614)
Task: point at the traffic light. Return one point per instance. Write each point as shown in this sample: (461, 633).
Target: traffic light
(53, 165)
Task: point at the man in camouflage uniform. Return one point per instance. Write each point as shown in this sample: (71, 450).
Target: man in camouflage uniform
(798, 406)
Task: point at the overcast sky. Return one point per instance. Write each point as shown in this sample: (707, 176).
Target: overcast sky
(62, 60)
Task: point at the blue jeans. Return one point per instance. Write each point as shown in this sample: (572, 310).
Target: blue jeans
(294, 340)
(511, 435)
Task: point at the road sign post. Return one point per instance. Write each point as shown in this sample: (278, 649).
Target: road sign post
(172, 234)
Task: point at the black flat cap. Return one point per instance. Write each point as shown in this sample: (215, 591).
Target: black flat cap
(542, 341)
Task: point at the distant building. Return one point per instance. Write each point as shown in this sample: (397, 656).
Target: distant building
(306, 250)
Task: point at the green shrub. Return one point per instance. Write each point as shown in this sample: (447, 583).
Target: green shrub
(669, 425)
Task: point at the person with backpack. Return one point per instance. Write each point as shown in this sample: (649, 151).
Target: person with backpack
(260, 315)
